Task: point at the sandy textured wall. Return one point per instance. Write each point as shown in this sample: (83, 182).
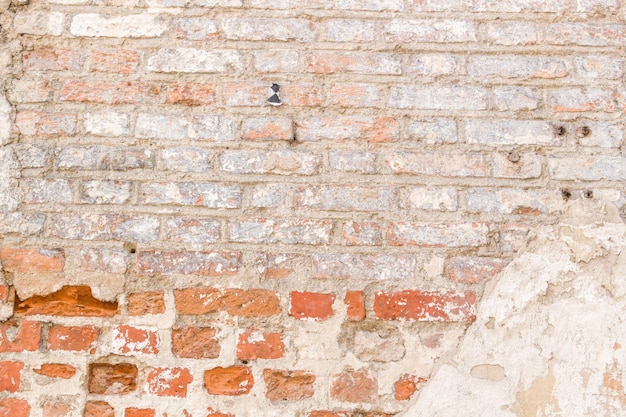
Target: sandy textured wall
(173, 245)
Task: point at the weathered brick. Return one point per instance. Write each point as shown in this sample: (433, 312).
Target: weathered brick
(286, 231)
(379, 5)
(39, 23)
(355, 304)
(245, 93)
(378, 129)
(10, 376)
(514, 201)
(56, 370)
(353, 62)
(276, 60)
(98, 409)
(196, 28)
(105, 192)
(362, 234)
(268, 128)
(186, 159)
(14, 407)
(288, 385)
(445, 165)
(111, 261)
(190, 60)
(354, 161)
(517, 98)
(191, 94)
(436, 31)
(139, 412)
(31, 91)
(104, 227)
(150, 262)
(38, 190)
(586, 34)
(32, 260)
(583, 100)
(79, 338)
(278, 265)
(118, 379)
(191, 194)
(127, 26)
(32, 155)
(416, 305)
(271, 195)
(429, 97)
(254, 344)
(433, 131)
(350, 30)
(236, 302)
(70, 301)
(234, 380)
(434, 64)
(355, 386)
(406, 386)
(438, 5)
(357, 95)
(512, 33)
(46, 124)
(588, 168)
(311, 305)
(512, 237)
(346, 198)
(511, 132)
(149, 302)
(23, 224)
(192, 230)
(302, 95)
(195, 3)
(121, 61)
(168, 382)
(109, 92)
(177, 127)
(19, 336)
(517, 6)
(438, 235)
(473, 269)
(597, 6)
(107, 124)
(602, 67)
(364, 266)
(527, 165)
(195, 343)
(57, 59)
(283, 162)
(440, 199)
(103, 158)
(268, 29)
(515, 66)
(601, 134)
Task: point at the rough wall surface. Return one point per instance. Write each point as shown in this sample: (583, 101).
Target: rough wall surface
(173, 245)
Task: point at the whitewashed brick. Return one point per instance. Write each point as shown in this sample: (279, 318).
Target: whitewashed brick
(127, 26)
(511, 132)
(195, 60)
(107, 124)
(39, 23)
(438, 199)
(428, 97)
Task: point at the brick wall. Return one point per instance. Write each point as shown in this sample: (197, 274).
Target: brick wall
(173, 245)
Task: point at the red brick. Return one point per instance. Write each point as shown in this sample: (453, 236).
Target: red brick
(362, 234)
(139, 412)
(13, 407)
(129, 340)
(58, 59)
(234, 380)
(358, 386)
(254, 344)
(168, 382)
(406, 386)
(5, 291)
(79, 338)
(473, 270)
(416, 305)
(32, 260)
(68, 301)
(191, 94)
(121, 61)
(356, 305)
(213, 413)
(56, 370)
(195, 342)
(10, 375)
(288, 385)
(45, 124)
(237, 302)
(310, 305)
(98, 409)
(149, 302)
(26, 339)
(109, 92)
(268, 128)
(106, 378)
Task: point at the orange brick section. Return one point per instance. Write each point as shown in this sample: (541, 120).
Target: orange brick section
(56, 370)
(255, 344)
(74, 338)
(233, 380)
(13, 407)
(106, 378)
(25, 336)
(309, 305)
(32, 260)
(10, 375)
(195, 343)
(168, 382)
(150, 302)
(406, 386)
(424, 306)
(237, 302)
(68, 301)
(98, 409)
(288, 385)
